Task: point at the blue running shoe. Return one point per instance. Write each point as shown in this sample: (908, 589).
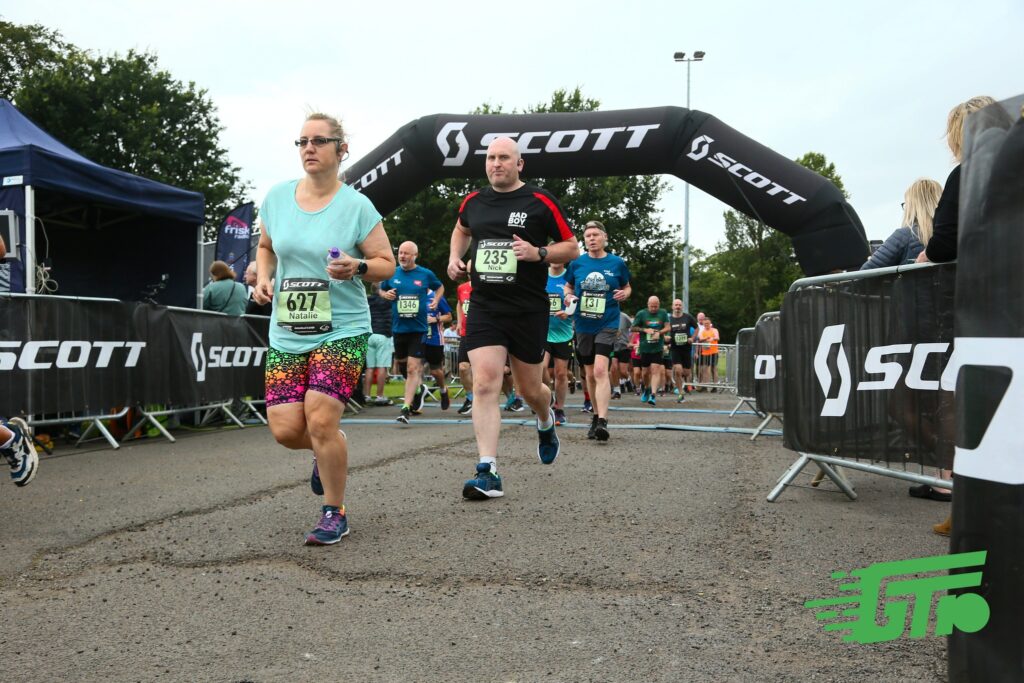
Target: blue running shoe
(548, 447)
(486, 484)
(588, 407)
(644, 396)
(332, 527)
(21, 454)
(652, 399)
(315, 485)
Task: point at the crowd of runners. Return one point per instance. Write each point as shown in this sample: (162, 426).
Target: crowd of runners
(531, 304)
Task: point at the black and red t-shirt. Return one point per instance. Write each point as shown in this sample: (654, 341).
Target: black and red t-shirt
(500, 283)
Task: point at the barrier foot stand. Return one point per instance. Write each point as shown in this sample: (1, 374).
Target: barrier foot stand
(837, 478)
(98, 426)
(459, 390)
(788, 476)
(352, 406)
(231, 416)
(253, 411)
(739, 404)
(147, 417)
(760, 427)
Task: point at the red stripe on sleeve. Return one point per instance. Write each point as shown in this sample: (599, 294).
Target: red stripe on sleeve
(563, 227)
(466, 200)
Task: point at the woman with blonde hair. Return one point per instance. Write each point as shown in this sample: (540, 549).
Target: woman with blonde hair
(942, 246)
(903, 246)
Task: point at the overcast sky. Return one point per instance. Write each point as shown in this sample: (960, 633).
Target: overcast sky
(868, 84)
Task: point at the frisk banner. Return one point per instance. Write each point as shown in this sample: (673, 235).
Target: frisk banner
(88, 356)
(866, 366)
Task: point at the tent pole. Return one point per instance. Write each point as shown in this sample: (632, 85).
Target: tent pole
(30, 240)
(199, 266)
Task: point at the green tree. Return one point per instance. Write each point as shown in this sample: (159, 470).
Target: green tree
(127, 113)
(27, 51)
(625, 204)
(750, 271)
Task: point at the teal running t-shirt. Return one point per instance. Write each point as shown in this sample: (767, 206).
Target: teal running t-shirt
(309, 307)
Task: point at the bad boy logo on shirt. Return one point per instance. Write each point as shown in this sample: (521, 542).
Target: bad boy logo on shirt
(517, 219)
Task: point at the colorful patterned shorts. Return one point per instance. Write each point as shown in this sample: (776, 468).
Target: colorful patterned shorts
(331, 369)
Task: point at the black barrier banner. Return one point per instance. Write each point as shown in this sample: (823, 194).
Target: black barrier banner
(768, 384)
(864, 367)
(89, 356)
(745, 363)
(988, 472)
(826, 232)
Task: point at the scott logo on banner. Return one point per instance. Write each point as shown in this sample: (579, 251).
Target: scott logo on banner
(68, 355)
(223, 356)
(699, 149)
(765, 366)
(529, 142)
(891, 371)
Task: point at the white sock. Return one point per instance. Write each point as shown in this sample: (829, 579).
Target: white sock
(547, 424)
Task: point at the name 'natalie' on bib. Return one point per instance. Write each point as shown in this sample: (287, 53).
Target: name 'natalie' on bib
(495, 262)
(304, 305)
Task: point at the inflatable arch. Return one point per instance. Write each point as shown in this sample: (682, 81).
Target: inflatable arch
(826, 232)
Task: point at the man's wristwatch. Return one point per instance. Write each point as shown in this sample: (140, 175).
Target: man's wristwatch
(362, 268)
(543, 253)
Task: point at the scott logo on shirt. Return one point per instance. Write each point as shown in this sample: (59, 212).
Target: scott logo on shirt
(517, 219)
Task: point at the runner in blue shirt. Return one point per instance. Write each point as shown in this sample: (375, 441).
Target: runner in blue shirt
(599, 281)
(408, 289)
(559, 342)
(433, 345)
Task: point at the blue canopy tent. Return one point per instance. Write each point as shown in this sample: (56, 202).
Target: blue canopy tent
(104, 232)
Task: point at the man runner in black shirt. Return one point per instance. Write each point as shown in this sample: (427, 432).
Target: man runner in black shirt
(507, 227)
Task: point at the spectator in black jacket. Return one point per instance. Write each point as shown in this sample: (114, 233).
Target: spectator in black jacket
(942, 246)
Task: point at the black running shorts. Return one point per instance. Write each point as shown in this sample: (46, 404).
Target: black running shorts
(408, 344)
(524, 335)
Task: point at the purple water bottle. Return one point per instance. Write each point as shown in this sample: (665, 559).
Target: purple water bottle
(332, 254)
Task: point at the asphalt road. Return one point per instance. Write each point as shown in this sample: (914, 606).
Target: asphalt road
(654, 557)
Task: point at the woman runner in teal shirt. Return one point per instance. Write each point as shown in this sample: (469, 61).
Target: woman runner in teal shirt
(320, 320)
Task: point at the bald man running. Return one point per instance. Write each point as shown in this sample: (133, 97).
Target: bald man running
(408, 289)
(513, 231)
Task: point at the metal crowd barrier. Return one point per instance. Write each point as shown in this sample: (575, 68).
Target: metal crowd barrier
(828, 463)
(714, 366)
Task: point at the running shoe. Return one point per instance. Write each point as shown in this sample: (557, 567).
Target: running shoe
(644, 396)
(509, 403)
(486, 484)
(616, 394)
(446, 401)
(517, 405)
(417, 400)
(560, 418)
(548, 447)
(315, 485)
(21, 454)
(652, 400)
(682, 397)
(466, 408)
(383, 401)
(404, 417)
(601, 429)
(572, 387)
(332, 527)
(588, 407)
(592, 432)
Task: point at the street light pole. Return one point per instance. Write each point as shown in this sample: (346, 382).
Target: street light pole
(698, 56)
